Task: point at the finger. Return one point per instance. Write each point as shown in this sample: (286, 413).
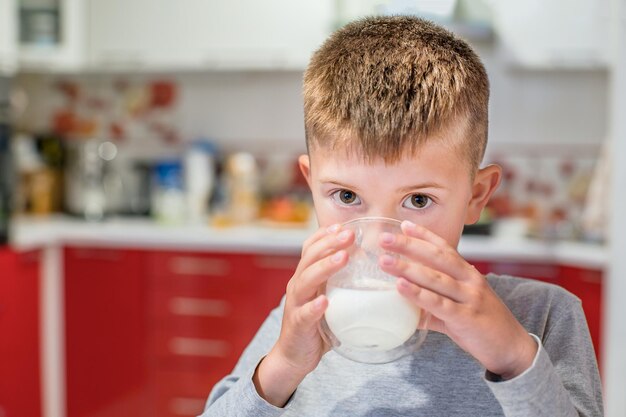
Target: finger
(424, 277)
(331, 242)
(435, 324)
(310, 313)
(319, 233)
(445, 259)
(420, 232)
(439, 306)
(311, 278)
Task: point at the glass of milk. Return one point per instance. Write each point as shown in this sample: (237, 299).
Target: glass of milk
(367, 319)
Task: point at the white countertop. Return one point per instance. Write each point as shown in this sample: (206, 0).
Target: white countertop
(29, 232)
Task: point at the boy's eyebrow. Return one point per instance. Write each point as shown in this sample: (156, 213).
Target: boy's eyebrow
(403, 189)
(422, 185)
(339, 184)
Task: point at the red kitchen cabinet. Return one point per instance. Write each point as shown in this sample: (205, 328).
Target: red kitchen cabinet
(546, 272)
(20, 392)
(148, 333)
(587, 285)
(276, 271)
(205, 308)
(107, 369)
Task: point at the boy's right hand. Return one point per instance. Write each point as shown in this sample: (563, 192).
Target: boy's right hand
(300, 347)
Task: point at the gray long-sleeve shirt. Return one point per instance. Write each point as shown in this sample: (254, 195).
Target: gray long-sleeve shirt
(440, 379)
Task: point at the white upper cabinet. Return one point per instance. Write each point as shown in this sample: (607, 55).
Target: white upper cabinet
(8, 45)
(51, 34)
(546, 34)
(205, 34)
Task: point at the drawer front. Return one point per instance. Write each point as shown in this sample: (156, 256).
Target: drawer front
(198, 305)
(183, 394)
(186, 351)
(196, 264)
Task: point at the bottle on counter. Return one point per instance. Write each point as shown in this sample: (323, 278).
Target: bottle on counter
(242, 188)
(199, 179)
(169, 201)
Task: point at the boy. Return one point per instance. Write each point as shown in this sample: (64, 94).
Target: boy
(396, 126)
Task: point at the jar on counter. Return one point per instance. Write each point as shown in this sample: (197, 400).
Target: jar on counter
(169, 201)
(199, 179)
(242, 188)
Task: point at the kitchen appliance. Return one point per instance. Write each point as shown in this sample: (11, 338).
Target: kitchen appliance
(92, 187)
(5, 161)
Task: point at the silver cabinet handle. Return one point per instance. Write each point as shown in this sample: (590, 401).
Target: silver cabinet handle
(188, 346)
(187, 265)
(187, 306)
(276, 262)
(186, 406)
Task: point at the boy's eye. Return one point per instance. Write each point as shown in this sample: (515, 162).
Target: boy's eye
(417, 201)
(346, 197)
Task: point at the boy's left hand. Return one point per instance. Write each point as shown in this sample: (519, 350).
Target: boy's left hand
(433, 276)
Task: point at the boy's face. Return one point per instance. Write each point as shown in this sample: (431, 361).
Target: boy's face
(432, 188)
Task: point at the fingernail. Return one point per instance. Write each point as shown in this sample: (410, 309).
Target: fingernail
(402, 283)
(388, 237)
(333, 228)
(408, 224)
(317, 304)
(337, 257)
(343, 236)
(387, 260)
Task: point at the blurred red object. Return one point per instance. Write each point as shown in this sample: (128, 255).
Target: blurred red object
(69, 89)
(501, 205)
(64, 121)
(162, 94)
(117, 131)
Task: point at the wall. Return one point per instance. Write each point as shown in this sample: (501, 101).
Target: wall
(261, 110)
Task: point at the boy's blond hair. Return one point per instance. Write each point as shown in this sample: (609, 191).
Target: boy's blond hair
(383, 85)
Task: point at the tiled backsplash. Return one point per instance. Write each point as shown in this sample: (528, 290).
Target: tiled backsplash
(548, 186)
(152, 116)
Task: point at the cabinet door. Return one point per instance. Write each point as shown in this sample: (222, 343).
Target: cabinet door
(565, 34)
(199, 33)
(587, 285)
(106, 341)
(20, 393)
(546, 272)
(67, 51)
(276, 271)
(202, 313)
(8, 41)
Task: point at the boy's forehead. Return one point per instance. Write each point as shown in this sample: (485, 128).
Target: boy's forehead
(353, 153)
(347, 159)
(454, 138)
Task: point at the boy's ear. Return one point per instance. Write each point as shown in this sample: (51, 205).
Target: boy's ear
(485, 183)
(305, 167)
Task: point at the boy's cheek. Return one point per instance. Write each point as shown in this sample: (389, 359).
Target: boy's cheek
(328, 214)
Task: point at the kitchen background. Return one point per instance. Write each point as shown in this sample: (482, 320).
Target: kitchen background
(151, 202)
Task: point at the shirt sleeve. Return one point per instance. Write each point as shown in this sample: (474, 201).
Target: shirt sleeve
(236, 395)
(563, 379)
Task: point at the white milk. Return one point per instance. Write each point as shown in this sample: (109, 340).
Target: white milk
(370, 319)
